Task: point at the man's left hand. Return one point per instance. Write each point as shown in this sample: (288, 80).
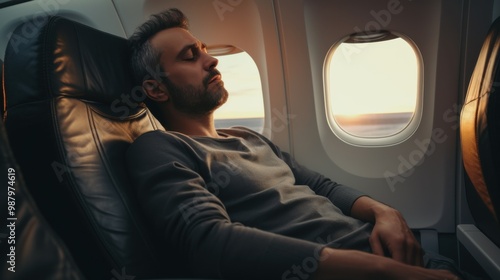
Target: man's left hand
(391, 235)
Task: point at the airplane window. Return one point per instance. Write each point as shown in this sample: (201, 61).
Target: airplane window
(245, 105)
(372, 87)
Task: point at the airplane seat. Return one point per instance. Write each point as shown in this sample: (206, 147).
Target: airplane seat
(38, 253)
(2, 101)
(480, 145)
(71, 114)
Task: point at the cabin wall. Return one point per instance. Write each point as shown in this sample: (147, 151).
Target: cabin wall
(422, 168)
(95, 13)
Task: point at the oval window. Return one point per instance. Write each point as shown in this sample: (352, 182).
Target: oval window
(372, 88)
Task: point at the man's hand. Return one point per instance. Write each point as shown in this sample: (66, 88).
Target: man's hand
(391, 235)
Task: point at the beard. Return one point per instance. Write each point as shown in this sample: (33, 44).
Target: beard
(198, 101)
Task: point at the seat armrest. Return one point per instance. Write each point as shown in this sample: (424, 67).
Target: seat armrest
(481, 248)
(178, 279)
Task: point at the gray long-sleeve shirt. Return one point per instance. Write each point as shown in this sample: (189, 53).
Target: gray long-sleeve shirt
(239, 208)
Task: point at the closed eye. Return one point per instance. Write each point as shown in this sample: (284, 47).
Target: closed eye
(192, 52)
(191, 55)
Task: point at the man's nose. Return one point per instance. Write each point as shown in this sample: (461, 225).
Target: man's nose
(210, 62)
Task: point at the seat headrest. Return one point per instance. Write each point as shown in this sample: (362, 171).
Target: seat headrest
(72, 58)
(480, 123)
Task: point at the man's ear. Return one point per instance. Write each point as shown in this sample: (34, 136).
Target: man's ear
(155, 90)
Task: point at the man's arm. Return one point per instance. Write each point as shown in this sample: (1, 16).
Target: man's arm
(341, 196)
(338, 264)
(390, 236)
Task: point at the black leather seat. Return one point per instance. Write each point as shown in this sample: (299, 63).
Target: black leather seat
(2, 103)
(480, 141)
(38, 252)
(71, 112)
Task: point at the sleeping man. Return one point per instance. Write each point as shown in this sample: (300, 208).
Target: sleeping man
(230, 204)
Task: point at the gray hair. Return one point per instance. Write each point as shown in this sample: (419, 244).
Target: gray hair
(145, 60)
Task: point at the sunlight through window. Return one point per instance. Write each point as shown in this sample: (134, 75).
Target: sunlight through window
(245, 106)
(372, 88)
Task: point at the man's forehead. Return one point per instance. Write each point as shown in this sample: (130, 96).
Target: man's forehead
(173, 40)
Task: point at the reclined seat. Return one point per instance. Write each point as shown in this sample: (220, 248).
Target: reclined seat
(480, 143)
(71, 112)
(47, 257)
(1, 90)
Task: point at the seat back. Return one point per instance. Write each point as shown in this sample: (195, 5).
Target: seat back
(480, 137)
(2, 101)
(71, 113)
(38, 252)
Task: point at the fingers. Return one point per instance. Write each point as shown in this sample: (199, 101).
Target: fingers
(402, 248)
(419, 256)
(412, 251)
(409, 252)
(392, 235)
(400, 252)
(376, 245)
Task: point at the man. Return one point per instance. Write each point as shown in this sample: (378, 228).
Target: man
(228, 203)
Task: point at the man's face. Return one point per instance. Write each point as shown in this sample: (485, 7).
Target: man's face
(193, 82)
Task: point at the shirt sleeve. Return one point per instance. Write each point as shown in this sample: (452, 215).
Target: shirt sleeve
(194, 222)
(340, 195)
